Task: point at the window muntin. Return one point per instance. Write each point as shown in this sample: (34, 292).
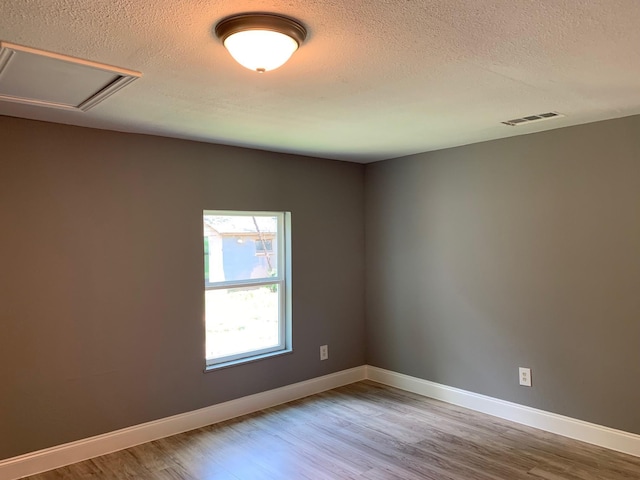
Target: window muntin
(246, 287)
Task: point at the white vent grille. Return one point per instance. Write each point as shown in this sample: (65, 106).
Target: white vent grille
(532, 118)
(46, 79)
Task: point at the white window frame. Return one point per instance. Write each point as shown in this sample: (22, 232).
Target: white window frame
(283, 280)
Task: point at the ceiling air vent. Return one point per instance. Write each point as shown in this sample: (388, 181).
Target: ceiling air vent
(45, 79)
(532, 118)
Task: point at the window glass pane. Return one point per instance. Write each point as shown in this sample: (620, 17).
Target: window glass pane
(241, 320)
(240, 247)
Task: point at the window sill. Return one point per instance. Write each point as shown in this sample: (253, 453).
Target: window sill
(242, 361)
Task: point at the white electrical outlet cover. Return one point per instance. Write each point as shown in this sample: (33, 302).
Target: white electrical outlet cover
(324, 352)
(525, 376)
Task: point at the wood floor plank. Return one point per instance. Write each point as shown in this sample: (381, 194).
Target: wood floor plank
(363, 431)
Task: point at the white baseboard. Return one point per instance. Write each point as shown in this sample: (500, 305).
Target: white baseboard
(569, 427)
(59, 456)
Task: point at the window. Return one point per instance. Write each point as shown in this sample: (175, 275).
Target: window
(264, 246)
(247, 285)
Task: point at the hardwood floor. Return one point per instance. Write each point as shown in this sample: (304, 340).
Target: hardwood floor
(363, 431)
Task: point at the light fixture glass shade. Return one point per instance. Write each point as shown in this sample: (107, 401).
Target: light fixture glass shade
(260, 50)
(261, 41)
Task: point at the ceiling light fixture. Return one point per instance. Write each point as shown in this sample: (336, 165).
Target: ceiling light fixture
(261, 41)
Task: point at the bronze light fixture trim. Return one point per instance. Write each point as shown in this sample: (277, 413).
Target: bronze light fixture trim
(261, 41)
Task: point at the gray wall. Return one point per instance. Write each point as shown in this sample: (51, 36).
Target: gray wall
(480, 259)
(101, 285)
(518, 252)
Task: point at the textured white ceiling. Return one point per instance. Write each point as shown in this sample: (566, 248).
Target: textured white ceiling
(375, 79)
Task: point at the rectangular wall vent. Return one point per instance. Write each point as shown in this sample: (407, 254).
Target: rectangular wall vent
(46, 79)
(532, 118)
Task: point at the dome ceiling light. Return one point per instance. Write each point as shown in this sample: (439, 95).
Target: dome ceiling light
(260, 41)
